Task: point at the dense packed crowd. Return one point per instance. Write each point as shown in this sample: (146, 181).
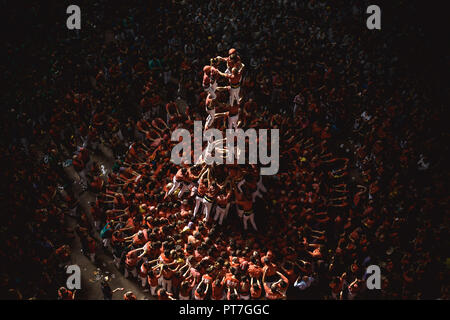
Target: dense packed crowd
(360, 182)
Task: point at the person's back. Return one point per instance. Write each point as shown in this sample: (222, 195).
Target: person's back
(217, 290)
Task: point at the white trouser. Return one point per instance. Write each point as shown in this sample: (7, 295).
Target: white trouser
(153, 290)
(198, 202)
(207, 206)
(176, 184)
(211, 90)
(234, 95)
(232, 121)
(252, 221)
(166, 284)
(184, 188)
(210, 118)
(247, 297)
(220, 214)
(143, 281)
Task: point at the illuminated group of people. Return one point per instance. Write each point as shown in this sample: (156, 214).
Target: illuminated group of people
(357, 152)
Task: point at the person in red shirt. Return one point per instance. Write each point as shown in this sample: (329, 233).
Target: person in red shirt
(233, 116)
(185, 290)
(143, 273)
(254, 269)
(131, 262)
(178, 181)
(235, 84)
(269, 271)
(231, 282)
(223, 203)
(166, 280)
(209, 197)
(201, 290)
(233, 60)
(210, 80)
(255, 289)
(152, 279)
(273, 292)
(218, 292)
(245, 204)
(129, 295)
(244, 288)
(201, 191)
(164, 295)
(65, 294)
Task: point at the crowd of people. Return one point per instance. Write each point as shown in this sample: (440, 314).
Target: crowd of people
(360, 180)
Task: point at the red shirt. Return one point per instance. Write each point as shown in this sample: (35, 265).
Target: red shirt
(222, 199)
(209, 78)
(234, 79)
(217, 291)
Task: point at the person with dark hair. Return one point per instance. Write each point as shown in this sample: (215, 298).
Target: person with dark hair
(201, 290)
(66, 294)
(130, 296)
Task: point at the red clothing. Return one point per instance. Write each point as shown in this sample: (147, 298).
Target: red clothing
(209, 77)
(235, 79)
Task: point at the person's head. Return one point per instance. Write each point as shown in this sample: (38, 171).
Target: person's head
(62, 291)
(162, 292)
(274, 288)
(129, 295)
(201, 287)
(234, 71)
(207, 69)
(185, 285)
